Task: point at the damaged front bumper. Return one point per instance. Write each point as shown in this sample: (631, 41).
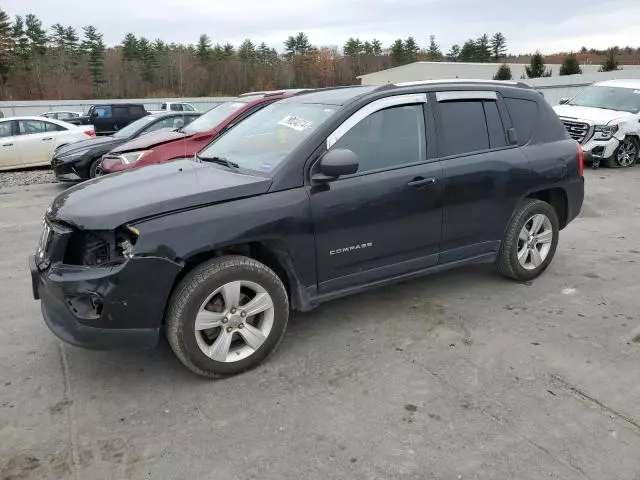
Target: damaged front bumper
(103, 307)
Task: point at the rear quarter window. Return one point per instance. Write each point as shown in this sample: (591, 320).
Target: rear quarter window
(136, 111)
(524, 114)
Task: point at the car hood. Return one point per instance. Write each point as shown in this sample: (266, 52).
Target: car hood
(107, 202)
(106, 143)
(149, 140)
(598, 116)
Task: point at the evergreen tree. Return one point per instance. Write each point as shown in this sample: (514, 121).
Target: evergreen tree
(376, 46)
(94, 48)
(468, 52)
(498, 45)
(20, 40)
(266, 55)
(5, 46)
(503, 73)
(130, 50)
(411, 50)
(203, 50)
(433, 52)
(610, 62)
(147, 58)
(228, 51)
(397, 53)
(217, 52)
(367, 48)
(570, 65)
(454, 53)
(353, 47)
(247, 50)
(483, 50)
(537, 68)
(298, 45)
(36, 34)
(72, 42)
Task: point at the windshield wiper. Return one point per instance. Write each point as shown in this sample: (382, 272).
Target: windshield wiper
(220, 161)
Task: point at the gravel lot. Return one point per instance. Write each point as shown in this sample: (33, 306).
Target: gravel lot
(26, 177)
(458, 376)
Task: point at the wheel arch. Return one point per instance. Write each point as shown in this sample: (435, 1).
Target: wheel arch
(271, 253)
(556, 197)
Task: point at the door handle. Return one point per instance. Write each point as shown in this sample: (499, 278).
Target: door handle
(419, 183)
(7, 144)
(48, 138)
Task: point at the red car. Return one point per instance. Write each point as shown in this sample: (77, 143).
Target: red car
(163, 146)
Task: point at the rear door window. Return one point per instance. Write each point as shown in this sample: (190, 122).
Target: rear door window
(136, 111)
(121, 112)
(176, 107)
(463, 127)
(28, 127)
(53, 127)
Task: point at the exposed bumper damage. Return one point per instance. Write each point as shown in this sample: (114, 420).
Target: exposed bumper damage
(104, 307)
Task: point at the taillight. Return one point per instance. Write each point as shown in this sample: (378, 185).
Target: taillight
(91, 133)
(580, 160)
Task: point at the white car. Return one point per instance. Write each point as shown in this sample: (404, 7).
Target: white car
(605, 119)
(62, 115)
(175, 107)
(31, 141)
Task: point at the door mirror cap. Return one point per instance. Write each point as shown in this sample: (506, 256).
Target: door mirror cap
(564, 100)
(335, 163)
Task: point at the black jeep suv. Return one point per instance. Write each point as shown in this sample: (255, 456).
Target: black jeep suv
(314, 197)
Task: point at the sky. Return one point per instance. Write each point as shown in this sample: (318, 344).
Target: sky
(545, 25)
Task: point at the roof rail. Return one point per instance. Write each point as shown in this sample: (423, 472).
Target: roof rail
(267, 93)
(463, 80)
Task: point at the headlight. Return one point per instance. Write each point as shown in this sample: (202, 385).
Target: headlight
(133, 157)
(607, 131)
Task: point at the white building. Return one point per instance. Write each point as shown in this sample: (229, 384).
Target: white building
(440, 70)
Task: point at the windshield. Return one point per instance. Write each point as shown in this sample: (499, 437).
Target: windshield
(133, 127)
(213, 117)
(264, 139)
(611, 98)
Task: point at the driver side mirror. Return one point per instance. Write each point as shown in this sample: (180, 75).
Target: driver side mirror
(336, 163)
(564, 100)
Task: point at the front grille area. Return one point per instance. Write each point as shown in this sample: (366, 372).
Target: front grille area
(579, 131)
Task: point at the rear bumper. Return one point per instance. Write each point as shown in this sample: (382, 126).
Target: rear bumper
(130, 309)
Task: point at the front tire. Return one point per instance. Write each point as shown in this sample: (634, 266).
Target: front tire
(95, 170)
(530, 241)
(625, 155)
(227, 316)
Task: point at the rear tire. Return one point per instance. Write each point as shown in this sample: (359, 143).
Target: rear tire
(227, 316)
(530, 241)
(625, 155)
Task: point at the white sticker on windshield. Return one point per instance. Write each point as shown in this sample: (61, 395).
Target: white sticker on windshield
(295, 123)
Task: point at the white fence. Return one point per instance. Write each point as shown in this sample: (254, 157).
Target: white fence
(12, 109)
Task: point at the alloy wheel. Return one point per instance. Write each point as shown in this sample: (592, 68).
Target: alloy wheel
(627, 153)
(534, 241)
(234, 321)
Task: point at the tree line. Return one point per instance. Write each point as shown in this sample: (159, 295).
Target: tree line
(61, 62)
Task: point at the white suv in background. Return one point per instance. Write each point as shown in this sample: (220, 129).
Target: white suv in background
(605, 119)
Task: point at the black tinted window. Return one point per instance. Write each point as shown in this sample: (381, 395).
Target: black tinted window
(463, 127)
(136, 111)
(494, 124)
(120, 112)
(523, 115)
(388, 138)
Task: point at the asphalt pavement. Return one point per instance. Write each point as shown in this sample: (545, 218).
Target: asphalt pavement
(464, 375)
